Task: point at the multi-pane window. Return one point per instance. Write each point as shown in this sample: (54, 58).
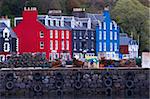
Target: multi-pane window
(51, 22)
(111, 35)
(67, 45)
(63, 45)
(62, 35)
(57, 22)
(104, 46)
(115, 47)
(41, 34)
(56, 34)
(115, 35)
(75, 46)
(100, 46)
(67, 34)
(74, 35)
(104, 35)
(41, 45)
(92, 35)
(80, 35)
(51, 44)
(115, 25)
(111, 46)
(80, 45)
(111, 25)
(104, 25)
(6, 35)
(51, 33)
(100, 35)
(6, 47)
(56, 45)
(100, 25)
(92, 46)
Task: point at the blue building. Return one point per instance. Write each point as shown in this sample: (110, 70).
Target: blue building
(107, 37)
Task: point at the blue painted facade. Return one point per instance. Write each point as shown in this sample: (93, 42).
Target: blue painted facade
(107, 37)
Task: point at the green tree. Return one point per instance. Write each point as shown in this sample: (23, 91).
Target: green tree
(133, 17)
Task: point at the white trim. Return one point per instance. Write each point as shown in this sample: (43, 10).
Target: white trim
(6, 47)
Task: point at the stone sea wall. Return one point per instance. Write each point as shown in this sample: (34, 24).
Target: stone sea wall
(60, 81)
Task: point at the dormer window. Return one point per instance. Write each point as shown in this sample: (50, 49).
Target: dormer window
(41, 34)
(6, 35)
(85, 25)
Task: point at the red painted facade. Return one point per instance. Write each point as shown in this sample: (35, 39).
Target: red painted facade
(124, 49)
(35, 37)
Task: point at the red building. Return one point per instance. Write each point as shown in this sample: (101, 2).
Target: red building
(124, 49)
(35, 37)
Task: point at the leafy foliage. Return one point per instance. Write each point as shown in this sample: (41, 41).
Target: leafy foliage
(133, 17)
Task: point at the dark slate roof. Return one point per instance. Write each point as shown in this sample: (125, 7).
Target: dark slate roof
(133, 42)
(81, 28)
(59, 28)
(3, 26)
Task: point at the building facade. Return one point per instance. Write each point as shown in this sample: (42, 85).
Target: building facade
(8, 41)
(107, 37)
(34, 36)
(83, 36)
(128, 47)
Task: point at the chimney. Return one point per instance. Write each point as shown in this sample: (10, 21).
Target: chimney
(30, 13)
(54, 12)
(79, 12)
(106, 8)
(5, 20)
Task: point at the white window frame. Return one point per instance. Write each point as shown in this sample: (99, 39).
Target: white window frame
(8, 47)
(63, 45)
(111, 46)
(67, 34)
(104, 46)
(104, 34)
(115, 46)
(51, 34)
(111, 25)
(51, 22)
(75, 46)
(111, 35)
(100, 26)
(80, 35)
(56, 34)
(41, 34)
(100, 35)
(115, 35)
(2, 58)
(92, 46)
(104, 24)
(56, 44)
(92, 35)
(74, 35)
(67, 45)
(100, 46)
(51, 44)
(41, 45)
(62, 34)
(57, 22)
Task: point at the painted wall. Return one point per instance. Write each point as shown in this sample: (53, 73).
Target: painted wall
(107, 36)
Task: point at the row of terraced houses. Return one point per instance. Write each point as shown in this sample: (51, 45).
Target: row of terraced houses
(59, 36)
